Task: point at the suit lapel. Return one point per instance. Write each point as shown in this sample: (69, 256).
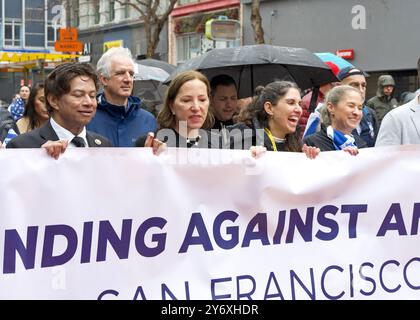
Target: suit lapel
(92, 141)
(47, 132)
(415, 117)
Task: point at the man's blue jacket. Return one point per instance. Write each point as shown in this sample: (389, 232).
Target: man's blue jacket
(122, 127)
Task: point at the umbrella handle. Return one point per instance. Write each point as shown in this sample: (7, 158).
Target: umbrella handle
(239, 80)
(314, 98)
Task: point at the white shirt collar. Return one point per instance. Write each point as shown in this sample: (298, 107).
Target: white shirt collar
(64, 134)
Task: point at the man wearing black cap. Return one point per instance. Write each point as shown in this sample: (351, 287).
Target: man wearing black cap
(369, 126)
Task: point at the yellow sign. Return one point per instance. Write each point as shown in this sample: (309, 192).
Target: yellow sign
(33, 56)
(111, 44)
(223, 29)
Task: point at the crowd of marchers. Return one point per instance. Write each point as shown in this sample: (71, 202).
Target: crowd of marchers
(78, 106)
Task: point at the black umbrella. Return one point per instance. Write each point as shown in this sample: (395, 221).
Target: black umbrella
(148, 78)
(169, 68)
(256, 65)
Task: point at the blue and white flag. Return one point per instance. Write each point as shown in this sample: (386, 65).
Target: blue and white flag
(10, 135)
(314, 121)
(17, 108)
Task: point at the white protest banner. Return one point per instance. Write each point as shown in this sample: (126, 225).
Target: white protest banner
(208, 224)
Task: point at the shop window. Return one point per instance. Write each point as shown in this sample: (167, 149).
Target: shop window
(188, 46)
(193, 45)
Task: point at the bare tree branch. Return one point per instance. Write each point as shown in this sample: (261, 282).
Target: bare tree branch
(153, 20)
(136, 7)
(142, 3)
(256, 22)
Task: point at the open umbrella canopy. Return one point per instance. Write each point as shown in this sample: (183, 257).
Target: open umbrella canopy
(169, 68)
(336, 63)
(142, 72)
(254, 65)
(148, 77)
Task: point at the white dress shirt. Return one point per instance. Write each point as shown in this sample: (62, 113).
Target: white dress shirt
(64, 134)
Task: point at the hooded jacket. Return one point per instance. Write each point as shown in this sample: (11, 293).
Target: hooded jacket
(402, 125)
(122, 126)
(381, 103)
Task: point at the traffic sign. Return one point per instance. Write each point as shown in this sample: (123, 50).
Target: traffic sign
(68, 46)
(68, 41)
(67, 34)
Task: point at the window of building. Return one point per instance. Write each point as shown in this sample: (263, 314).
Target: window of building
(97, 13)
(111, 10)
(13, 32)
(34, 23)
(192, 45)
(127, 10)
(54, 21)
(188, 46)
(13, 9)
(183, 2)
(52, 34)
(76, 13)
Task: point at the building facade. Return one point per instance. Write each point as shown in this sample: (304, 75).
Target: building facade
(103, 24)
(187, 27)
(29, 29)
(382, 33)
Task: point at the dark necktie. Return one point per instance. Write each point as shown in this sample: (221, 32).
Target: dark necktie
(78, 142)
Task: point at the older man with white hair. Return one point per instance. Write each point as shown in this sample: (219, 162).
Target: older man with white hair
(119, 116)
(401, 125)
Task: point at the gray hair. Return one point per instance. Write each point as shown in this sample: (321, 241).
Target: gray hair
(103, 67)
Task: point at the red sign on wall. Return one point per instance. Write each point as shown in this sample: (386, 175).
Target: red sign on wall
(347, 54)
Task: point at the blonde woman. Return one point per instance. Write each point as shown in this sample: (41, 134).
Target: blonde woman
(344, 105)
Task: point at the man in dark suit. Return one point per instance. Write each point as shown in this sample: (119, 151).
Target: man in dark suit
(70, 91)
